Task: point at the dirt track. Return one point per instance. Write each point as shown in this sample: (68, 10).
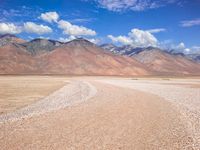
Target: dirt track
(115, 118)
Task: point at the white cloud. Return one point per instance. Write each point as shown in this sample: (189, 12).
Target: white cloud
(43, 37)
(187, 50)
(121, 39)
(156, 30)
(95, 41)
(190, 23)
(82, 20)
(9, 28)
(195, 50)
(143, 38)
(135, 5)
(49, 16)
(180, 46)
(75, 30)
(137, 38)
(61, 39)
(31, 27)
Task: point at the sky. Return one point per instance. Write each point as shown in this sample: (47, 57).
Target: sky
(170, 24)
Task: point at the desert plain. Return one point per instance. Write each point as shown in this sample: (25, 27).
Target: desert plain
(58, 112)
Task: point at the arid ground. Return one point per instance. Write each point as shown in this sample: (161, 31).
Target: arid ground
(43, 112)
(19, 91)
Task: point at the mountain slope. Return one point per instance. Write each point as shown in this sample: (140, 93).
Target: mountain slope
(10, 39)
(167, 64)
(14, 60)
(195, 57)
(81, 57)
(78, 57)
(126, 50)
(84, 58)
(160, 61)
(37, 46)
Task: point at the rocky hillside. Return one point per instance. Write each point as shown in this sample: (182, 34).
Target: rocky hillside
(40, 46)
(77, 57)
(165, 63)
(10, 39)
(81, 57)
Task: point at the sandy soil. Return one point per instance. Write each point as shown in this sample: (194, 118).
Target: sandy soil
(18, 92)
(123, 114)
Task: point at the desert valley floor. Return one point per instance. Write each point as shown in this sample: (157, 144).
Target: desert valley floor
(52, 112)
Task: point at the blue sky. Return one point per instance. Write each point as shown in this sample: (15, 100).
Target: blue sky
(163, 23)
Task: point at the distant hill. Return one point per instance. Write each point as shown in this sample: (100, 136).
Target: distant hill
(9, 39)
(161, 62)
(41, 46)
(77, 57)
(81, 57)
(165, 63)
(129, 50)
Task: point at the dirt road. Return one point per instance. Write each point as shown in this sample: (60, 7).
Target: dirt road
(113, 118)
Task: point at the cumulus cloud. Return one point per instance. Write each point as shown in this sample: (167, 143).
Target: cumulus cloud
(187, 50)
(31, 27)
(190, 23)
(95, 41)
(135, 5)
(75, 30)
(49, 16)
(136, 38)
(194, 50)
(61, 39)
(141, 38)
(9, 28)
(121, 39)
(180, 46)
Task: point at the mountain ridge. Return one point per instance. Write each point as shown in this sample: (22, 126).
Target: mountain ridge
(128, 50)
(81, 57)
(77, 57)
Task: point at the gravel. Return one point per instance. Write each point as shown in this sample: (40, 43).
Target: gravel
(71, 94)
(186, 99)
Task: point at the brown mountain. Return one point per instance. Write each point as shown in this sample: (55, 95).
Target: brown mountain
(163, 63)
(81, 57)
(10, 39)
(39, 46)
(78, 57)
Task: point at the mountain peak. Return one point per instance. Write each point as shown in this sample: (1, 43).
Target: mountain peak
(108, 45)
(9, 39)
(8, 36)
(41, 45)
(80, 42)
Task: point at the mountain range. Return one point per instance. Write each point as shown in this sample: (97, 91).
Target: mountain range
(129, 50)
(81, 57)
(163, 62)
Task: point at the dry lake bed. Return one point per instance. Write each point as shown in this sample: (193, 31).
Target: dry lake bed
(52, 112)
